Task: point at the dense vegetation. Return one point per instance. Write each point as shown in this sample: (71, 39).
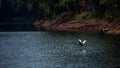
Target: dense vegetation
(73, 9)
(79, 9)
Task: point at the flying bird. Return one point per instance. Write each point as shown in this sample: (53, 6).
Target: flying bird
(81, 42)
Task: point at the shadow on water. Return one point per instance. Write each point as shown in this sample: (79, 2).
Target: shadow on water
(17, 26)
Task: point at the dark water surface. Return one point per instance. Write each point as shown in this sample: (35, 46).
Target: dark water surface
(58, 50)
(17, 26)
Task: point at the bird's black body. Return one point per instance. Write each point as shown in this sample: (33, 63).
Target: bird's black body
(80, 44)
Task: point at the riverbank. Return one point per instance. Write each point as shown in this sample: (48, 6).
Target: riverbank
(102, 27)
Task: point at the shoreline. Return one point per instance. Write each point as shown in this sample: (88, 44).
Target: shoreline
(101, 27)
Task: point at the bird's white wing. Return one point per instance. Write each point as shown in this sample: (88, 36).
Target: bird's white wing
(79, 40)
(84, 41)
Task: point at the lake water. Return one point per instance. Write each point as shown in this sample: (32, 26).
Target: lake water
(58, 50)
(17, 26)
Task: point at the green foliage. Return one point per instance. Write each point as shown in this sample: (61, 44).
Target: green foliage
(108, 16)
(82, 9)
(30, 4)
(83, 16)
(111, 8)
(63, 5)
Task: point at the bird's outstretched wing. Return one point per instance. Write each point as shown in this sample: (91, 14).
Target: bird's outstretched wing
(84, 41)
(79, 40)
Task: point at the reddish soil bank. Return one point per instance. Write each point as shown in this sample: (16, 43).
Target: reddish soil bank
(114, 28)
(102, 27)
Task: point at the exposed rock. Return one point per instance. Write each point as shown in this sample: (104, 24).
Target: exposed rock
(102, 27)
